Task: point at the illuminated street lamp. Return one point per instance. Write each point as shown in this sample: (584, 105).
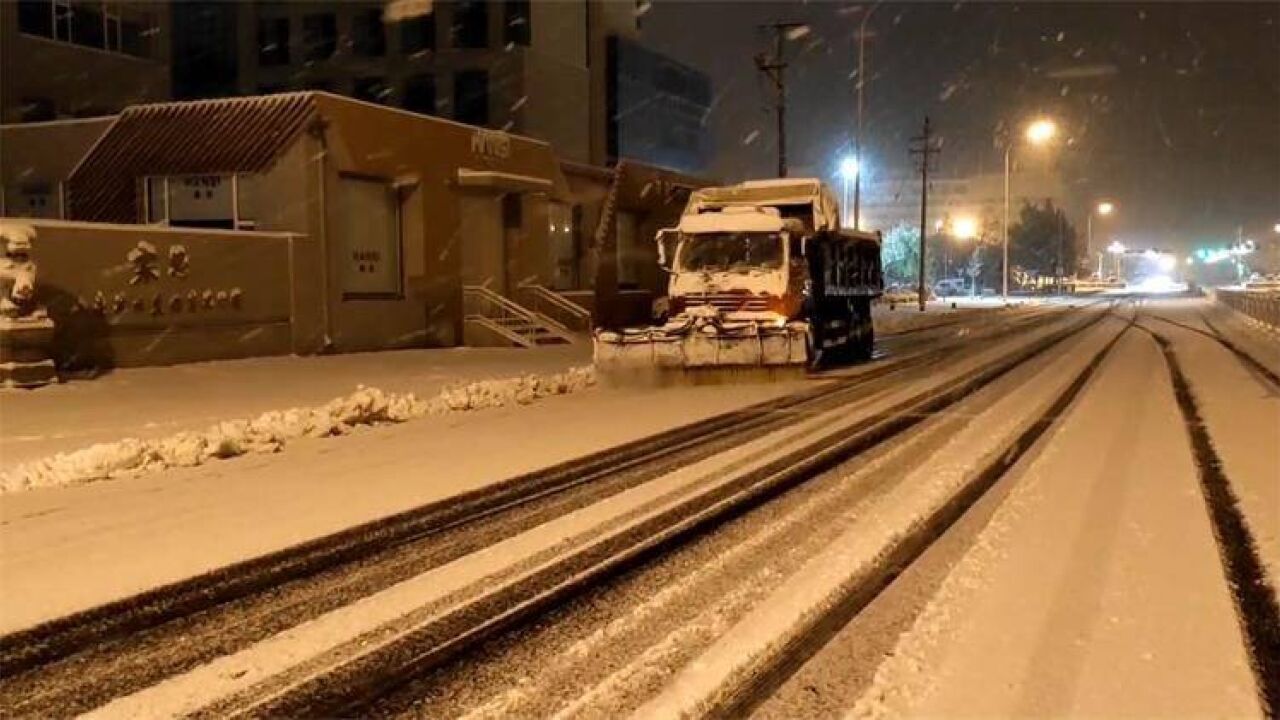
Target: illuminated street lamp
(848, 173)
(964, 228)
(1041, 131)
(1038, 132)
(1104, 209)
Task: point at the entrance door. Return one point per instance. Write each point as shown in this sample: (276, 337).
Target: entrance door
(481, 236)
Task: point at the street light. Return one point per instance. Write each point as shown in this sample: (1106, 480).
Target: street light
(848, 171)
(964, 228)
(1038, 132)
(1041, 131)
(1104, 209)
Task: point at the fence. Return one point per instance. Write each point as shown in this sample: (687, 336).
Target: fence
(1261, 306)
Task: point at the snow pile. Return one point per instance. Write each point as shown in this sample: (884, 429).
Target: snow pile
(270, 431)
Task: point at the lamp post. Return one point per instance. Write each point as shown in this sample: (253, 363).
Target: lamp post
(1104, 209)
(1038, 132)
(848, 171)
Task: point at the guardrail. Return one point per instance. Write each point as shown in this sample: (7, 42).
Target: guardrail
(1261, 306)
(555, 306)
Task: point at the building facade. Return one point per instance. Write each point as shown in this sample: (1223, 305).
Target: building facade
(541, 69)
(81, 58)
(376, 227)
(658, 108)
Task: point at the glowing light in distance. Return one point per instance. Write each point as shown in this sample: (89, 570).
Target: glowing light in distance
(848, 168)
(1041, 131)
(1106, 208)
(965, 228)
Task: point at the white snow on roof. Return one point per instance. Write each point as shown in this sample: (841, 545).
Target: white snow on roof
(750, 221)
(782, 182)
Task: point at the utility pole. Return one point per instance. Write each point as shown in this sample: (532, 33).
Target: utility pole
(922, 146)
(773, 68)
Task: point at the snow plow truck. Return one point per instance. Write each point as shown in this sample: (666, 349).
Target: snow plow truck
(761, 275)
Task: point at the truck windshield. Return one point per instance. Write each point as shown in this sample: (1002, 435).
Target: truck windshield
(730, 251)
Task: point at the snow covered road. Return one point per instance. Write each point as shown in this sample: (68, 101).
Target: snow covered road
(1018, 522)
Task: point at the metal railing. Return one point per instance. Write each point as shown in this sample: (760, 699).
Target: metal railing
(1260, 305)
(479, 302)
(554, 306)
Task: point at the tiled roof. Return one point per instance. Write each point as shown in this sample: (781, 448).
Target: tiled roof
(229, 135)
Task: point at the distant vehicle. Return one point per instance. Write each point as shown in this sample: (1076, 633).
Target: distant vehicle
(761, 274)
(951, 286)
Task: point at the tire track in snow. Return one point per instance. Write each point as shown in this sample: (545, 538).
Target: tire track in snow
(1250, 363)
(1252, 595)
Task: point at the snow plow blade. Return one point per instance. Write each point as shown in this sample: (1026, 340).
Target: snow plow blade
(709, 353)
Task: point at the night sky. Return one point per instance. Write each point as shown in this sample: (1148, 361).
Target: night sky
(1170, 110)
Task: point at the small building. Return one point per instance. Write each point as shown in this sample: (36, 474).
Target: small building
(389, 229)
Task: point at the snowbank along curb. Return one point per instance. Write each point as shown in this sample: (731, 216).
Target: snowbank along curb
(270, 431)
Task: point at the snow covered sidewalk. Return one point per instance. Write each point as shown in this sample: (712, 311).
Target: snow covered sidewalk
(149, 403)
(1096, 589)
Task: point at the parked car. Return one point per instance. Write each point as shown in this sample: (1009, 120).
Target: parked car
(951, 286)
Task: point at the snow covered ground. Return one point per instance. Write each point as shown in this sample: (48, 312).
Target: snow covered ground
(1095, 590)
(64, 549)
(155, 402)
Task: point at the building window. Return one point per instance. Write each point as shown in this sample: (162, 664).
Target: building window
(319, 36)
(418, 34)
(471, 97)
(62, 16)
(112, 39)
(94, 24)
(135, 37)
(273, 41)
(370, 238)
(471, 24)
(420, 94)
(368, 37)
(88, 27)
(372, 89)
(33, 200)
(516, 22)
(202, 201)
(35, 17)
